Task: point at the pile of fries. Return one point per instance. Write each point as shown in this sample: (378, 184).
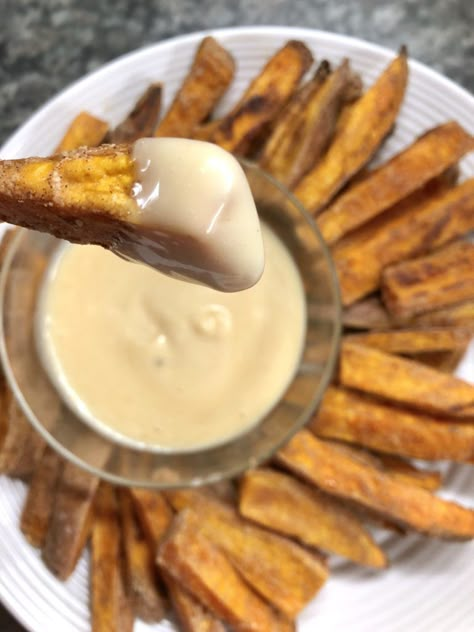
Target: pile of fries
(249, 554)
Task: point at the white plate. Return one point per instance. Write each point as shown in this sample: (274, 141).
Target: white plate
(429, 587)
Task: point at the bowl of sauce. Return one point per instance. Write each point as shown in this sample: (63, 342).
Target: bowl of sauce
(146, 379)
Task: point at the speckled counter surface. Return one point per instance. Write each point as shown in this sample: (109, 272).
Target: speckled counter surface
(47, 44)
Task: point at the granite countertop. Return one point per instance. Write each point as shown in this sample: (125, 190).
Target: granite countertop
(47, 44)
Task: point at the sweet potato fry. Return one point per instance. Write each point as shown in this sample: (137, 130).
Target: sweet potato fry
(111, 609)
(337, 473)
(303, 131)
(370, 313)
(21, 446)
(446, 361)
(195, 562)
(38, 505)
(282, 144)
(85, 131)
(461, 315)
(367, 124)
(209, 77)
(264, 97)
(414, 341)
(424, 221)
(356, 418)
(142, 119)
(406, 472)
(282, 572)
(404, 381)
(391, 464)
(426, 158)
(283, 504)
(143, 588)
(192, 615)
(437, 280)
(153, 512)
(70, 521)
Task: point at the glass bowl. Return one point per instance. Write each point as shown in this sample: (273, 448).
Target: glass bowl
(25, 263)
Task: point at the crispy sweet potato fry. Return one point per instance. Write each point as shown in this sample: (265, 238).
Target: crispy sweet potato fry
(446, 361)
(195, 562)
(396, 466)
(285, 138)
(147, 600)
(211, 72)
(414, 341)
(264, 97)
(142, 119)
(70, 521)
(192, 615)
(153, 512)
(368, 122)
(461, 315)
(321, 119)
(21, 446)
(38, 505)
(404, 381)
(406, 472)
(442, 278)
(281, 571)
(426, 158)
(350, 416)
(283, 504)
(85, 131)
(304, 129)
(426, 220)
(111, 609)
(335, 472)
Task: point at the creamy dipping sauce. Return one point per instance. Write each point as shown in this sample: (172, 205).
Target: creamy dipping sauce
(198, 219)
(172, 365)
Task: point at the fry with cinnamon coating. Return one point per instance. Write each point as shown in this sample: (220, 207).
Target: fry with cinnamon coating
(142, 119)
(194, 561)
(403, 381)
(414, 341)
(282, 503)
(430, 155)
(38, 505)
(306, 126)
(368, 122)
(211, 72)
(264, 97)
(142, 580)
(191, 614)
(424, 221)
(70, 521)
(284, 573)
(338, 473)
(110, 605)
(356, 418)
(153, 512)
(85, 130)
(437, 280)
